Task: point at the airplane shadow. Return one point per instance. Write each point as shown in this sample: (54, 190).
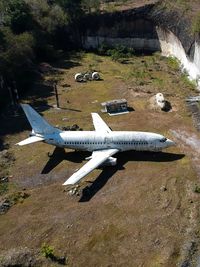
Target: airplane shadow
(59, 155)
(122, 158)
(88, 192)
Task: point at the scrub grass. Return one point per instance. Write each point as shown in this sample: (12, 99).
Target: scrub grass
(126, 212)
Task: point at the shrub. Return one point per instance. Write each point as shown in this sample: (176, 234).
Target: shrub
(173, 63)
(117, 53)
(47, 251)
(197, 189)
(196, 24)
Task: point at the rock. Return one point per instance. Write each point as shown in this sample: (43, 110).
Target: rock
(19, 257)
(4, 206)
(62, 260)
(157, 242)
(4, 180)
(158, 102)
(11, 200)
(163, 188)
(74, 127)
(74, 191)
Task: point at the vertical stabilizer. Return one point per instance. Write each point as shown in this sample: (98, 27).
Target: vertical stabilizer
(37, 122)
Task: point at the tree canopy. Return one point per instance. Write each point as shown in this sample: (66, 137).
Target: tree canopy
(30, 30)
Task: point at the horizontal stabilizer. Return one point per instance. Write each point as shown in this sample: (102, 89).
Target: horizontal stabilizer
(30, 140)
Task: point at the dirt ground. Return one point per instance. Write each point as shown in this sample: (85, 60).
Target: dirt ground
(142, 212)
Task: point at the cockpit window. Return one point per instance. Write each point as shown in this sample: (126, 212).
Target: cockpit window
(163, 140)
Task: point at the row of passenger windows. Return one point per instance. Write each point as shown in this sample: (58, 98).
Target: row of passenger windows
(101, 143)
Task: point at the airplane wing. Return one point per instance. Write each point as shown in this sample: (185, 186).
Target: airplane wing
(30, 140)
(97, 158)
(99, 124)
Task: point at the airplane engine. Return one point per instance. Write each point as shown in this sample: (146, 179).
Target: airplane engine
(95, 76)
(78, 77)
(110, 162)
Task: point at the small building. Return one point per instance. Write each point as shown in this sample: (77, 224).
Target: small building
(115, 107)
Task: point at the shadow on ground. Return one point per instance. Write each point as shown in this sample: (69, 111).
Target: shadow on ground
(122, 158)
(59, 155)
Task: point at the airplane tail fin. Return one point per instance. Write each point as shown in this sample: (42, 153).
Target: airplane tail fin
(37, 122)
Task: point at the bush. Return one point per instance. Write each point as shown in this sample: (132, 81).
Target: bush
(47, 251)
(117, 53)
(173, 63)
(196, 24)
(197, 189)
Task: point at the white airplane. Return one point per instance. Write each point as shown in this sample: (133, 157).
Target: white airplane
(103, 142)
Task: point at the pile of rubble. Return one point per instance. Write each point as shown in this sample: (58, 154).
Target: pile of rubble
(73, 191)
(10, 200)
(74, 127)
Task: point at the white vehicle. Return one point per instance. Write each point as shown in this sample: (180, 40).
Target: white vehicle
(103, 142)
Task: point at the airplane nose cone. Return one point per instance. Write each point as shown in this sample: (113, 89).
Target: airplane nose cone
(170, 143)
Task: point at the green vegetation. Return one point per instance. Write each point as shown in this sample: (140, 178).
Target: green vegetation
(3, 188)
(47, 251)
(91, 5)
(173, 63)
(180, 5)
(197, 189)
(30, 32)
(196, 24)
(119, 53)
(17, 197)
(191, 84)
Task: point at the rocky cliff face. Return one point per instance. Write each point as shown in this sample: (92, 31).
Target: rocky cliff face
(132, 28)
(148, 28)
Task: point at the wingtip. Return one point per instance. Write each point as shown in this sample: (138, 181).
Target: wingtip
(67, 183)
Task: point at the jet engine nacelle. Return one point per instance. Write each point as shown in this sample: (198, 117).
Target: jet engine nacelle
(78, 77)
(95, 76)
(110, 162)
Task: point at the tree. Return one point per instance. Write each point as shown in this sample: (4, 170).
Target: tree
(91, 5)
(16, 14)
(16, 56)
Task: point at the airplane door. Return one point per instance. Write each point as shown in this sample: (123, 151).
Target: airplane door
(108, 140)
(152, 146)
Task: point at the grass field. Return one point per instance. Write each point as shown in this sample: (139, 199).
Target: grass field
(142, 212)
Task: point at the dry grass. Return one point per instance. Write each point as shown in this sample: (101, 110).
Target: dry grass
(126, 219)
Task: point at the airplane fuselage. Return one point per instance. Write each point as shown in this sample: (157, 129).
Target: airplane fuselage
(121, 140)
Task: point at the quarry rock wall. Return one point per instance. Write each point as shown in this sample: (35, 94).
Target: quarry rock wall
(148, 28)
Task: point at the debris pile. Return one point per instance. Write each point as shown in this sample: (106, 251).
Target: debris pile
(74, 127)
(22, 256)
(11, 200)
(73, 191)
